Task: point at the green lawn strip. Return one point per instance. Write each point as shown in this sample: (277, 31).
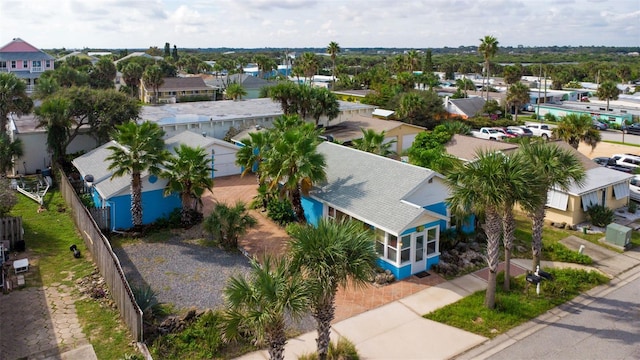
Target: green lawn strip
(620, 142)
(48, 236)
(517, 306)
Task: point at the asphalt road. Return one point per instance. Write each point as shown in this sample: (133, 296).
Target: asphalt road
(612, 135)
(607, 328)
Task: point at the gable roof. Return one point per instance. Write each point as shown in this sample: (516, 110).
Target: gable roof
(469, 106)
(246, 80)
(465, 147)
(194, 140)
(372, 187)
(183, 83)
(352, 129)
(19, 49)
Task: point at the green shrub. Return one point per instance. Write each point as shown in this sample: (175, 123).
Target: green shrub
(173, 220)
(343, 350)
(280, 211)
(87, 201)
(200, 340)
(291, 227)
(557, 252)
(550, 117)
(146, 300)
(633, 207)
(600, 215)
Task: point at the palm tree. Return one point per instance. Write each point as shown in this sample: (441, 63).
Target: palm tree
(374, 142)
(517, 96)
(333, 255)
(575, 128)
(131, 75)
(235, 91)
(140, 148)
(333, 49)
(154, 78)
(411, 106)
(412, 59)
(556, 168)
(608, 90)
(9, 150)
(261, 303)
(13, 98)
(293, 164)
(512, 74)
(227, 223)
(521, 186)
(478, 187)
(309, 64)
(251, 155)
(465, 85)
(189, 173)
(488, 49)
(323, 102)
(45, 87)
(54, 115)
(285, 93)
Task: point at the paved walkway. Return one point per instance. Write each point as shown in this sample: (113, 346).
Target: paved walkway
(47, 328)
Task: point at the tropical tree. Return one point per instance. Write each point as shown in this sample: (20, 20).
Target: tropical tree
(374, 142)
(189, 174)
(512, 74)
(488, 48)
(477, 187)
(575, 128)
(54, 115)
(556, 168)
(8, 198)
(428, 148)
(13, 98)
(251, 155)
(310, 64)
(140, 148)
(465, 85)
(522, 186)
(9, 150)
(517, 96)
(154, 78)
(45, 87)
(333, 255)
(235, 91)
(261, 303)
(323, 102)
(103, 74)
(226, 223)
(333, 49)
(285, 93)
(412, 105)
(293, 164)
(131, 74)
(608, 90)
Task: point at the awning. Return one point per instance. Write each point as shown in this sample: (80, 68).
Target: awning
(621, 190)
(589, 199)
(557, 200)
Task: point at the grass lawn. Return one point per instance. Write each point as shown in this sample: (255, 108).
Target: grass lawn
(48, 236)
(519, 305)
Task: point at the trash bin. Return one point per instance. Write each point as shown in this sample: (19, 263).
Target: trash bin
(584, 230)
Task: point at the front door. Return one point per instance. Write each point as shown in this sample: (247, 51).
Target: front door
(418, 258)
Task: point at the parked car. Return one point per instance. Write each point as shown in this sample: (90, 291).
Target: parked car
(520, 130)
(629, 160)
(634, 188)
(507, 133)
(632, 129)
(541, 130)
(599, 125)
(488, 134)
(612, 164)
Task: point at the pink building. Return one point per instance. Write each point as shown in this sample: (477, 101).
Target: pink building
(25, 60)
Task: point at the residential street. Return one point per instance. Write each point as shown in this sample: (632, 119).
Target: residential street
(605, 328)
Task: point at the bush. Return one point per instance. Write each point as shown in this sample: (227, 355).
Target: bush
(558, 252)
(633, 207)
(280, 211)
(8, 198)
(171, 221)
(87, 201)
(550, 117)
(147, 301)
(600, 215)
(200, 340)
(343, 350)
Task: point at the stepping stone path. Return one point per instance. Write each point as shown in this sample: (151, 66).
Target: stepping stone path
(39, 323)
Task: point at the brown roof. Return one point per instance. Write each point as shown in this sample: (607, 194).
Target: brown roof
(465, 147)
(586, 162)
(351, 129)
(183, 83)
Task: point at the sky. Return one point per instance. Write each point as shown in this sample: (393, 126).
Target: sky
(420, 24)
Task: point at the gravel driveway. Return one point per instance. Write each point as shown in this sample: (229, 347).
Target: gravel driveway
(182, 273)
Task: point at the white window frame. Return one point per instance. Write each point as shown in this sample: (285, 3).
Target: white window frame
(432, 241)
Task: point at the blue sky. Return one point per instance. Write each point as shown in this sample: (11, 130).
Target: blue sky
(314, 23)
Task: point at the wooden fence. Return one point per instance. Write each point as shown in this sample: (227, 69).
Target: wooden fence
(106, 260)
(11, 230)
(102, 217)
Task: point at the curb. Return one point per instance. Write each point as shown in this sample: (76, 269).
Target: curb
(503, 341)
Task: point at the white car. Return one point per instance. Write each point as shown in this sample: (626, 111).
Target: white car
(634, 188)
(629, 160)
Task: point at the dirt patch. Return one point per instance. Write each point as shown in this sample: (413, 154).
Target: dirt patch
(606, 149)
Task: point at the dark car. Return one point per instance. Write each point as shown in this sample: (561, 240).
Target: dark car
(599, 125)
(632, 129)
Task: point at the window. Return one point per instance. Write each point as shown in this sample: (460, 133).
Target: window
(25, 64)
(405, 249)
(13, 64)
(392, 248)
(331, 212)
(432, 241)
(47, 63)
(36, 63)
(3, 64)
(380, 242)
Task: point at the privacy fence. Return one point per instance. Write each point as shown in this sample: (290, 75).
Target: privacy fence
(106, 260)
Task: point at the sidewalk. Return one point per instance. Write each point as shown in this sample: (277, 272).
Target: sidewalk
(398, 330)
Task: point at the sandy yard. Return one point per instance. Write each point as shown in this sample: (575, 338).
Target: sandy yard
(607, 149)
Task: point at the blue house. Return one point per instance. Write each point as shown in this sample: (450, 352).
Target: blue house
(116, 193)
(403, 204)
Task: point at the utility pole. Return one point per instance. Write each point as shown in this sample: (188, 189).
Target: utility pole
(538, 99)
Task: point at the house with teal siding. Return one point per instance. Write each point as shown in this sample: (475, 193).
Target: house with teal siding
(404, 205)
(596, 111)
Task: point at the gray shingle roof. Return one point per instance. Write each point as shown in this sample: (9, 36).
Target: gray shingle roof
(598, 178)
(469, 106)
(371, 187)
